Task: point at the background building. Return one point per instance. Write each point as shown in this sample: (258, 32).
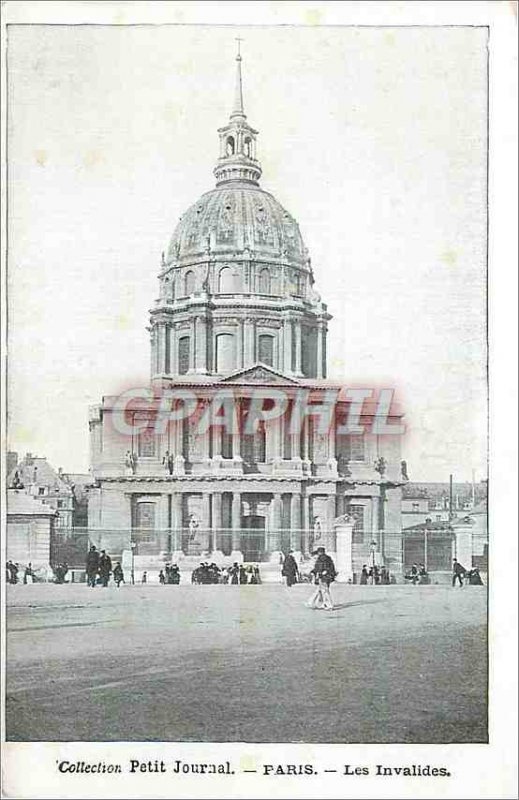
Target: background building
(429, 524)
(30, 528)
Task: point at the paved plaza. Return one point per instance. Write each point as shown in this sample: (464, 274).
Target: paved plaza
(246, 663)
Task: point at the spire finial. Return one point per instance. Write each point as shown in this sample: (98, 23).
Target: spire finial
(238, 93)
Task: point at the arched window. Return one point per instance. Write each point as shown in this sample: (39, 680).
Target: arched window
(229, 146)
(189, 282)
(266, 349)
(184, 351)
(225, 358)
(226, 281)
(248, 147)
(264, 281)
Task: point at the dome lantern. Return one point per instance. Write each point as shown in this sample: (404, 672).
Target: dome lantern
(237, 161)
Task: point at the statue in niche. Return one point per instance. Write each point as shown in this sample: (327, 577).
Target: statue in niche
(130, 462)
(169, 461)
(193, 526)
(318, 529)
(380, 465)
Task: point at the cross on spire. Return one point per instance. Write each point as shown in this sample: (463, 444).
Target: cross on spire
(238, 92)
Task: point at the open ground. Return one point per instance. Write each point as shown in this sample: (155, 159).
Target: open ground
(246, 663)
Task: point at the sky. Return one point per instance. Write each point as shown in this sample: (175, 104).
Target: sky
(374, 139)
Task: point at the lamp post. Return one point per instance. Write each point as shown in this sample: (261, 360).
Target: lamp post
(373, 549)
(133, 545)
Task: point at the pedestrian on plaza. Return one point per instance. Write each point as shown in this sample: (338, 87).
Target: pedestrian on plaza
(475, 578)
(422, 573)
(234, 573)
(174, 574)
(92, 566)
(325, 573)
(242, 574)
(364, 575)
(105, 567)
(290, 570)
(28, 575)
(458, 571)
(162, 578)
(13, 572)
(144, 578)
(118, 574)
(414, 575)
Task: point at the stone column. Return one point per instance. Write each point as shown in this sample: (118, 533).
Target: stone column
(463, 544)
(344, 551)
(295, 526)
(217, 525)
(324, 353)
(201, 345)
(167, 350)
(319, 365)
(192, 343)
(236, 554)
(153, 354)
(206, 520)
(297, 368)
(160, 347)
(276, 511)
(179, 461)
(248, 343)
(332, 461)
(236, 451)
(164, 526)
(330, 517)
(287, 345)
(239, 345)
(173, 340)
(176, 526)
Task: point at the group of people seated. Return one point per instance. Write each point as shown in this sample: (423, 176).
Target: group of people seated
(374, 575)
(474, 578)
(169, 575)
(60, 572)
(417, 574)
(235, 574)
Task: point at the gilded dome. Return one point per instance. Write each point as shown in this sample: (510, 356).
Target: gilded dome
(236, 217)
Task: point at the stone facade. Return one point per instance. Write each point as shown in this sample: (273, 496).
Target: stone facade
(237, 310)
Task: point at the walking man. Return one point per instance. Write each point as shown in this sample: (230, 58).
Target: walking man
(325, 573)
(290, 569)
(92, 566)
(458, 571)
(105, 567)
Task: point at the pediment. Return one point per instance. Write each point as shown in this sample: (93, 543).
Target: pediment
(259, 374)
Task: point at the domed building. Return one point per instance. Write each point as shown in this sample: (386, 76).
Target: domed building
(236, 285)
(237, 311)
